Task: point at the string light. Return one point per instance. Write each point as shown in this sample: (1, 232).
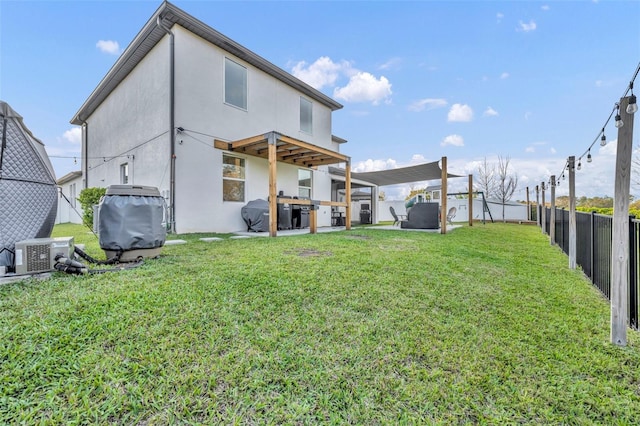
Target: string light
(633, 106)
(619, 122)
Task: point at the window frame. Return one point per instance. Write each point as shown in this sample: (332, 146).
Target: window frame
(124, 173)
(242, 179)
(229, 102)
(305, 101)
(303, 187)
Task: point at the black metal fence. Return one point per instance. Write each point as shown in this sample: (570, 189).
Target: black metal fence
(594, 249)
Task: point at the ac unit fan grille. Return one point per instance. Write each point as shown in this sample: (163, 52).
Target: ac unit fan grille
(38, 258)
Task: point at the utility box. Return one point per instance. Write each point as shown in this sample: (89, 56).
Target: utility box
(39, 254)
(131, 222)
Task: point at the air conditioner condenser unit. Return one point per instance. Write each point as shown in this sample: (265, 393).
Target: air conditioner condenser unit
(39, 254)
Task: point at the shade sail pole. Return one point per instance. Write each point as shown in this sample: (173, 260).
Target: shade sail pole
(470, 200)
(347, 176)
(443, 198)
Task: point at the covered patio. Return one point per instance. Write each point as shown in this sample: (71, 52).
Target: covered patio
(276, 148)
(436, 170)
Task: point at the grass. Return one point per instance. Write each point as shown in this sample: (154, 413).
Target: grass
(483, 325)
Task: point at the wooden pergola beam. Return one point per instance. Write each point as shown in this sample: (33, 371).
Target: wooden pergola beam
(278, 148)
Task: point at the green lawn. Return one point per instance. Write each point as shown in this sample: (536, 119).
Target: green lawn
(482, 325)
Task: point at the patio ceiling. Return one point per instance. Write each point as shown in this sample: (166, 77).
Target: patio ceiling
(288, 150)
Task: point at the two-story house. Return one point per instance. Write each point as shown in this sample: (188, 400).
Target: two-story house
(210, 123)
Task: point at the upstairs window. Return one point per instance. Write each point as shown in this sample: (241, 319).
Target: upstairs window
(235, 84)
(232, 178)
(306, 116)
(304, 183)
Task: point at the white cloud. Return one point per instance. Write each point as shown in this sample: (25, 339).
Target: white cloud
(109, 46)
(452, 140)
(490, 112)
(391, 63)
(364, 87)
(530, 149)
(73, 135)
(552, 150)
(323, 72)
(428, 103)
(460, 112)
(528, 115)
(524, 27)
(374, 165)
(418, 159)
(499, 16)
(504, 75)
(545, 7)
(361, 87)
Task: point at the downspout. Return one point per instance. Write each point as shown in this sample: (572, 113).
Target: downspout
(85, 160)
(172, 114)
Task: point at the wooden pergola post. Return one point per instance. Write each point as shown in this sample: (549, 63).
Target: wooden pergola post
(273, 197)
(620, 231)
(470, 200)
(443, 197)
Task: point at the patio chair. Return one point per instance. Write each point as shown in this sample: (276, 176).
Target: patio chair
(397, 218)
(451, 215)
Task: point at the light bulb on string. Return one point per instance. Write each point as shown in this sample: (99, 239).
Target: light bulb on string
(579, 165)
(633, 106)
(619, 122)
(589, 156)
(603, 139)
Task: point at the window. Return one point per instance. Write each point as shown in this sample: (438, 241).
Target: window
(235, 84)
(306, 121)
(232, 178)
(124, 173)
(72, 195)
(304, 183)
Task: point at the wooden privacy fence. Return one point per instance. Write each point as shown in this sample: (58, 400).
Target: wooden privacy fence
(594, 249)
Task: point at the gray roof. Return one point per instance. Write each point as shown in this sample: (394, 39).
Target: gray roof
(69, 177)
(151, 34)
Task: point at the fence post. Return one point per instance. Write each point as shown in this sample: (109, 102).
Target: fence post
(633, 273)
(543, 218)
(592, 245)
(552, 219)
(572, 214)
(537, 205)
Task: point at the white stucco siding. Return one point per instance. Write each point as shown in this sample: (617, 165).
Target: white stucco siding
(69, 208)
(131, 122)
(199, 203)
(271, 104)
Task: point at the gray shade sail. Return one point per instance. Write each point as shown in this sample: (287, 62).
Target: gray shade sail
(421, 172)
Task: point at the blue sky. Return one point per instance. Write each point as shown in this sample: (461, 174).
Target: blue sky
(534, 81)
